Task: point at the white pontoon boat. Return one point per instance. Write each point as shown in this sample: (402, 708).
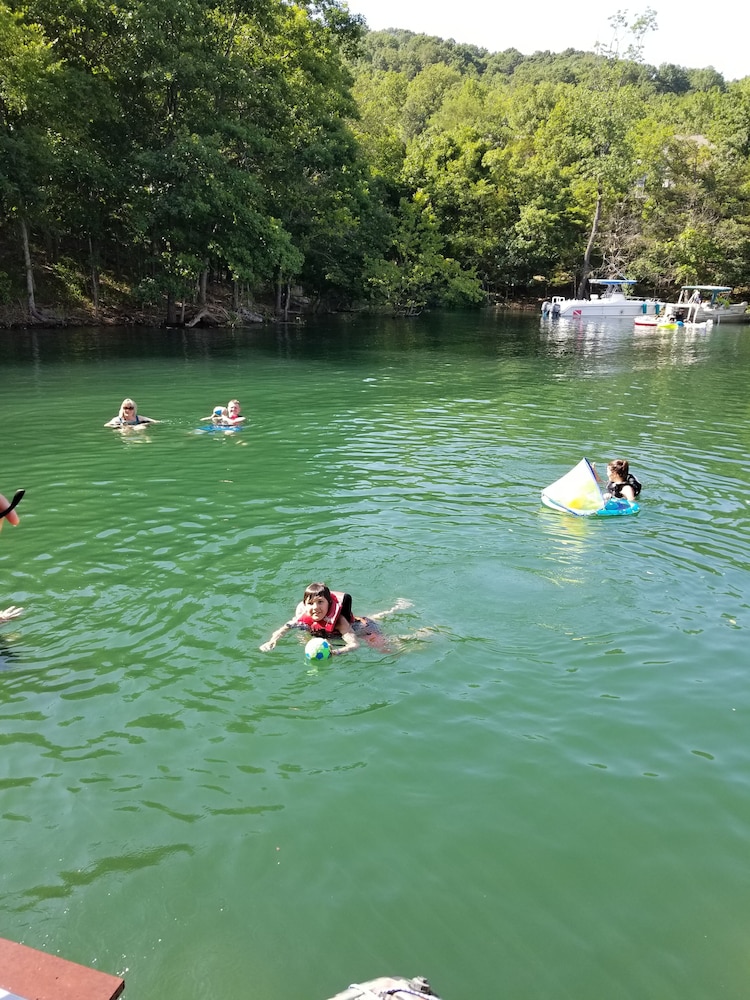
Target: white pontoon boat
(714, 304)
(611, 301)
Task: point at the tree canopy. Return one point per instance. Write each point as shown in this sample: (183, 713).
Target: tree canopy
(153, 149)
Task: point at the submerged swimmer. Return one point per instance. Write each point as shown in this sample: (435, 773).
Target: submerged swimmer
(328, 613)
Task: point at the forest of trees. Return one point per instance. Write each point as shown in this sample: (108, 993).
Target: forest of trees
(158, 157)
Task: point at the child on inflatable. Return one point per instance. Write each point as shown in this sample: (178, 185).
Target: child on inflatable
(229, 415)
(328, 614)
(622, 483)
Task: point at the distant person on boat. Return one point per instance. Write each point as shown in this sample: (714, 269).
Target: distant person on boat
(8, 513)
(328, 614)
(129, 416)
(229, 415)
(622, 483)
(695, 297)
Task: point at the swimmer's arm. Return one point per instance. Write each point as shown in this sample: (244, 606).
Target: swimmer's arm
(347, 634)
(148, 420)
(629, 493)
(275, 637)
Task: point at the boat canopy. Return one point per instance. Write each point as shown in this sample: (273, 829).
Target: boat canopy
(707, 288)
(612, 281)
(577, 492)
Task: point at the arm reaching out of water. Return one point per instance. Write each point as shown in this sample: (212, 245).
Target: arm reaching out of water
(275, 638)
(8, 508)
(346, 632)
(8, 513)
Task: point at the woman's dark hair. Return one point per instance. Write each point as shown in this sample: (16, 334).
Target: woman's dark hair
(620, 467)
(316, 590)
(321, 590)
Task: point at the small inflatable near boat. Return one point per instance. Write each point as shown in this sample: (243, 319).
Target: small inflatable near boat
(578, 493)
(219, 427)
(671, 323)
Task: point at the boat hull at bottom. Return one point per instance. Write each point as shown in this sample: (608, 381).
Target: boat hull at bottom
(730, 314)
(388, 988)
(610, 308)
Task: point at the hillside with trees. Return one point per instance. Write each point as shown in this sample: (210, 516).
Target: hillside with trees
(190, 161)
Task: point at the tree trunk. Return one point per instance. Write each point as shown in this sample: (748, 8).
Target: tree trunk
(29, 272)
(171, 310)
(581, 291)
(202, 287)
(94, 278)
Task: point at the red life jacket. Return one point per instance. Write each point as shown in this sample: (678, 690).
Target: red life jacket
(340, 604)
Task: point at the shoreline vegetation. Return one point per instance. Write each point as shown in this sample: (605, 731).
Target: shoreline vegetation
(213, 315)
(203, 166)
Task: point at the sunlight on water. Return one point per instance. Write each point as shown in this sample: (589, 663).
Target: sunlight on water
(539, 789)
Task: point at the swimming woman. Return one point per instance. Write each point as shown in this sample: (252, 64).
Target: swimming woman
(129, 416)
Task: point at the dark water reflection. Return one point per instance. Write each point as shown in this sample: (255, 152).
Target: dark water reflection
(547, 790)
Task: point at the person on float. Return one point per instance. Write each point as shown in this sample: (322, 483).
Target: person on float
(622, 483)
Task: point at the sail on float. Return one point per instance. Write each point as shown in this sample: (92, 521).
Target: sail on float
(578, 492)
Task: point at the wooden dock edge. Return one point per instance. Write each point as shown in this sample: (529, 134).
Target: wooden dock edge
(28, 974)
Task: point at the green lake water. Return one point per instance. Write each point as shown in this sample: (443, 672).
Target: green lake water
(541, 791)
